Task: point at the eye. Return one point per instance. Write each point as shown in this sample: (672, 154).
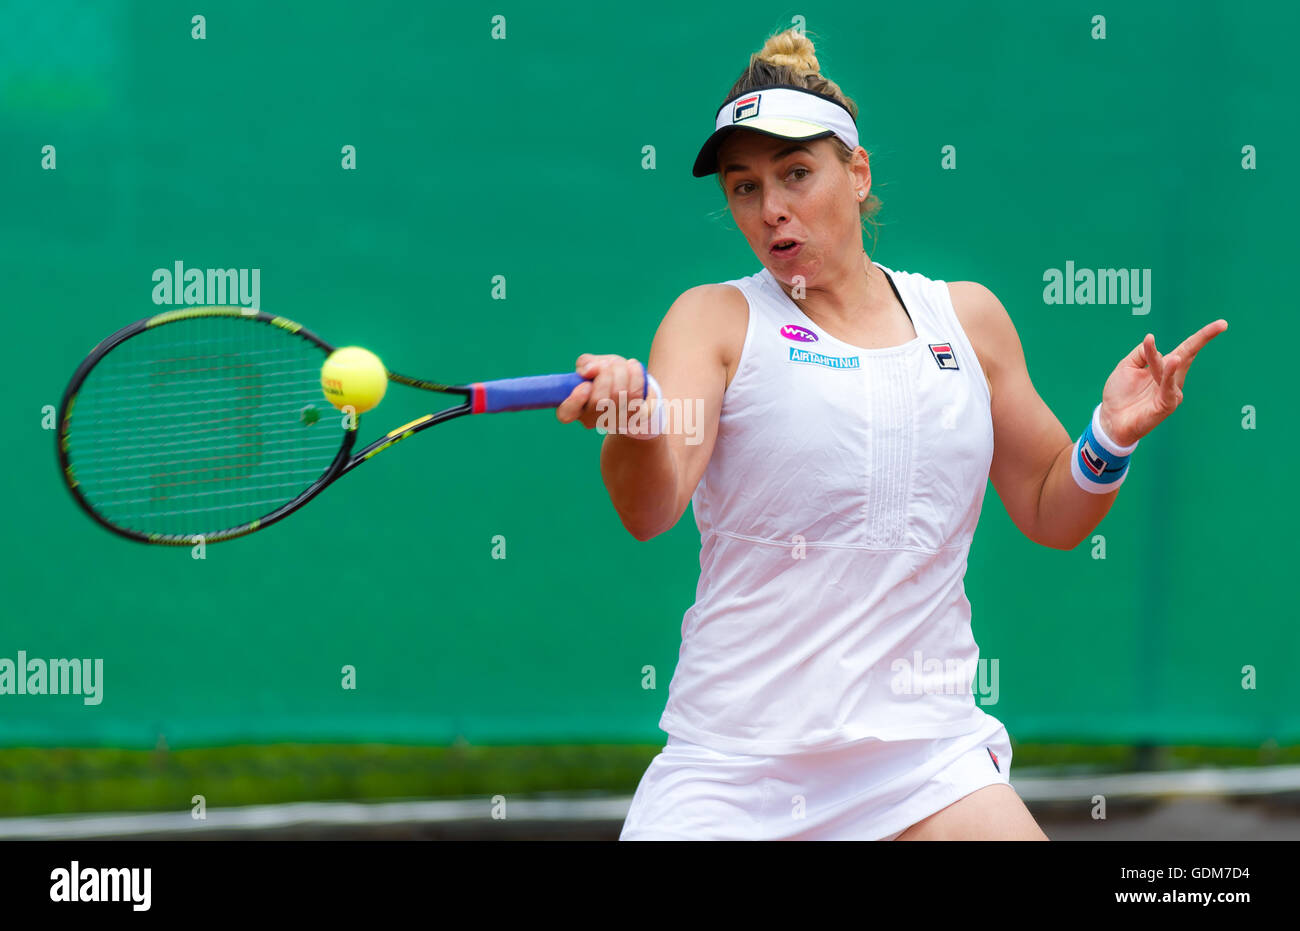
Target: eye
(740, 189)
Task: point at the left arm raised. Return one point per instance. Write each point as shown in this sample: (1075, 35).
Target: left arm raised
(1031, 449)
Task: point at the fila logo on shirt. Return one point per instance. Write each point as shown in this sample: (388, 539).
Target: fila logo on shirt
(943, 355)
(745, 109)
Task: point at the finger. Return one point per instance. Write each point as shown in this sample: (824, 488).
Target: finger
(635, 379)
(600, 386)
(1196, 342)
(1174, 385)
(1141, 356)
(571, 407)
(1169, 381)
(1155, 361)
(619, 385)
(590, 364)
(1178, 370)
(1193, 344)
(1138, 357)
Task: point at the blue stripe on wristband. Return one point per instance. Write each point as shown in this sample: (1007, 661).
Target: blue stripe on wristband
(1100, 465)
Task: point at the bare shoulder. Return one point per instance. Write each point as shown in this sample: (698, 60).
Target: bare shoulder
(712, 316)
(720, 305)
(987, 325)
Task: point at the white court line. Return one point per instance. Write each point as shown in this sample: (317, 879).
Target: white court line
(1240, 780)
(1254, 780)
(264, 817)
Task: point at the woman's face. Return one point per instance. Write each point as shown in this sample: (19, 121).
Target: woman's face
(783, 189)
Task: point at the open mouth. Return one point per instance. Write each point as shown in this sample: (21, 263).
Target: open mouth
(785, 246)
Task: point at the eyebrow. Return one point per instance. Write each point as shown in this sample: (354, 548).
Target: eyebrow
(788, 150)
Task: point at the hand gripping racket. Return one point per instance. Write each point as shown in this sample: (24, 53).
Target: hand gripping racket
(211, 422)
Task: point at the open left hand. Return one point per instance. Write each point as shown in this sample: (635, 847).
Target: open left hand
(1146, 387)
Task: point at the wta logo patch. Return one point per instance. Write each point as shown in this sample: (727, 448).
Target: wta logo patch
(943, 355)
(994, 757)
(798, 333)
(745, 108)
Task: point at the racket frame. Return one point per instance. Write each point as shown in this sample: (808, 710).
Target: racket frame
(501, 395)
(342, 463)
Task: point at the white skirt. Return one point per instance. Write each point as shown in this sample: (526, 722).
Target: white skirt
(867, 790)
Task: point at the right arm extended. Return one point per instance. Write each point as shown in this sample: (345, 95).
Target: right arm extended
(650, 481)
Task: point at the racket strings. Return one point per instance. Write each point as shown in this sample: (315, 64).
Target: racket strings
(201, 425)
(127, 453)
(132, 383)
(237, 409)
(195, 499)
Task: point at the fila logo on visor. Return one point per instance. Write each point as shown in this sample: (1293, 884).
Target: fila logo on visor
(943, 354)
(745, 108)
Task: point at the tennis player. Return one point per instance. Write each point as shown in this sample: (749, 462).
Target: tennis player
(853, 415)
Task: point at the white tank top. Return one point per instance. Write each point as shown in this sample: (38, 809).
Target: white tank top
(835, 517)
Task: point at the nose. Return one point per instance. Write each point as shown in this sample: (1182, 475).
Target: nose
(775, 211)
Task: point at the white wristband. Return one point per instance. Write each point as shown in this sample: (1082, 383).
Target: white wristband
(650, 423)
(1098, 464)
(1107, 443)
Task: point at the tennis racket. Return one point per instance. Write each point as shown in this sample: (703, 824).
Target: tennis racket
(211, 422)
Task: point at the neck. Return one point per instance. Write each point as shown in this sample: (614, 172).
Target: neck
(849, 296)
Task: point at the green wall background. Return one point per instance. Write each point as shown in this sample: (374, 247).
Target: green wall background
(479, 157)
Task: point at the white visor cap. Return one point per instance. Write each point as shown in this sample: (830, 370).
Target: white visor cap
(781, 111)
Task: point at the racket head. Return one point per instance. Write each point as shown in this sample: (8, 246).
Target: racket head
(200, 422)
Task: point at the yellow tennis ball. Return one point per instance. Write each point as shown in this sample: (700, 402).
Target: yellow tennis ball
(354, 377)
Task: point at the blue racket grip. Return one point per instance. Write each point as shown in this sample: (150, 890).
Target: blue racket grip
(528, 393)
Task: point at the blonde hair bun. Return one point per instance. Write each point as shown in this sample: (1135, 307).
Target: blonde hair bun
(791, 49)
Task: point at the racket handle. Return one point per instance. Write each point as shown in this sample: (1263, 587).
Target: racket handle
(524, 394)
